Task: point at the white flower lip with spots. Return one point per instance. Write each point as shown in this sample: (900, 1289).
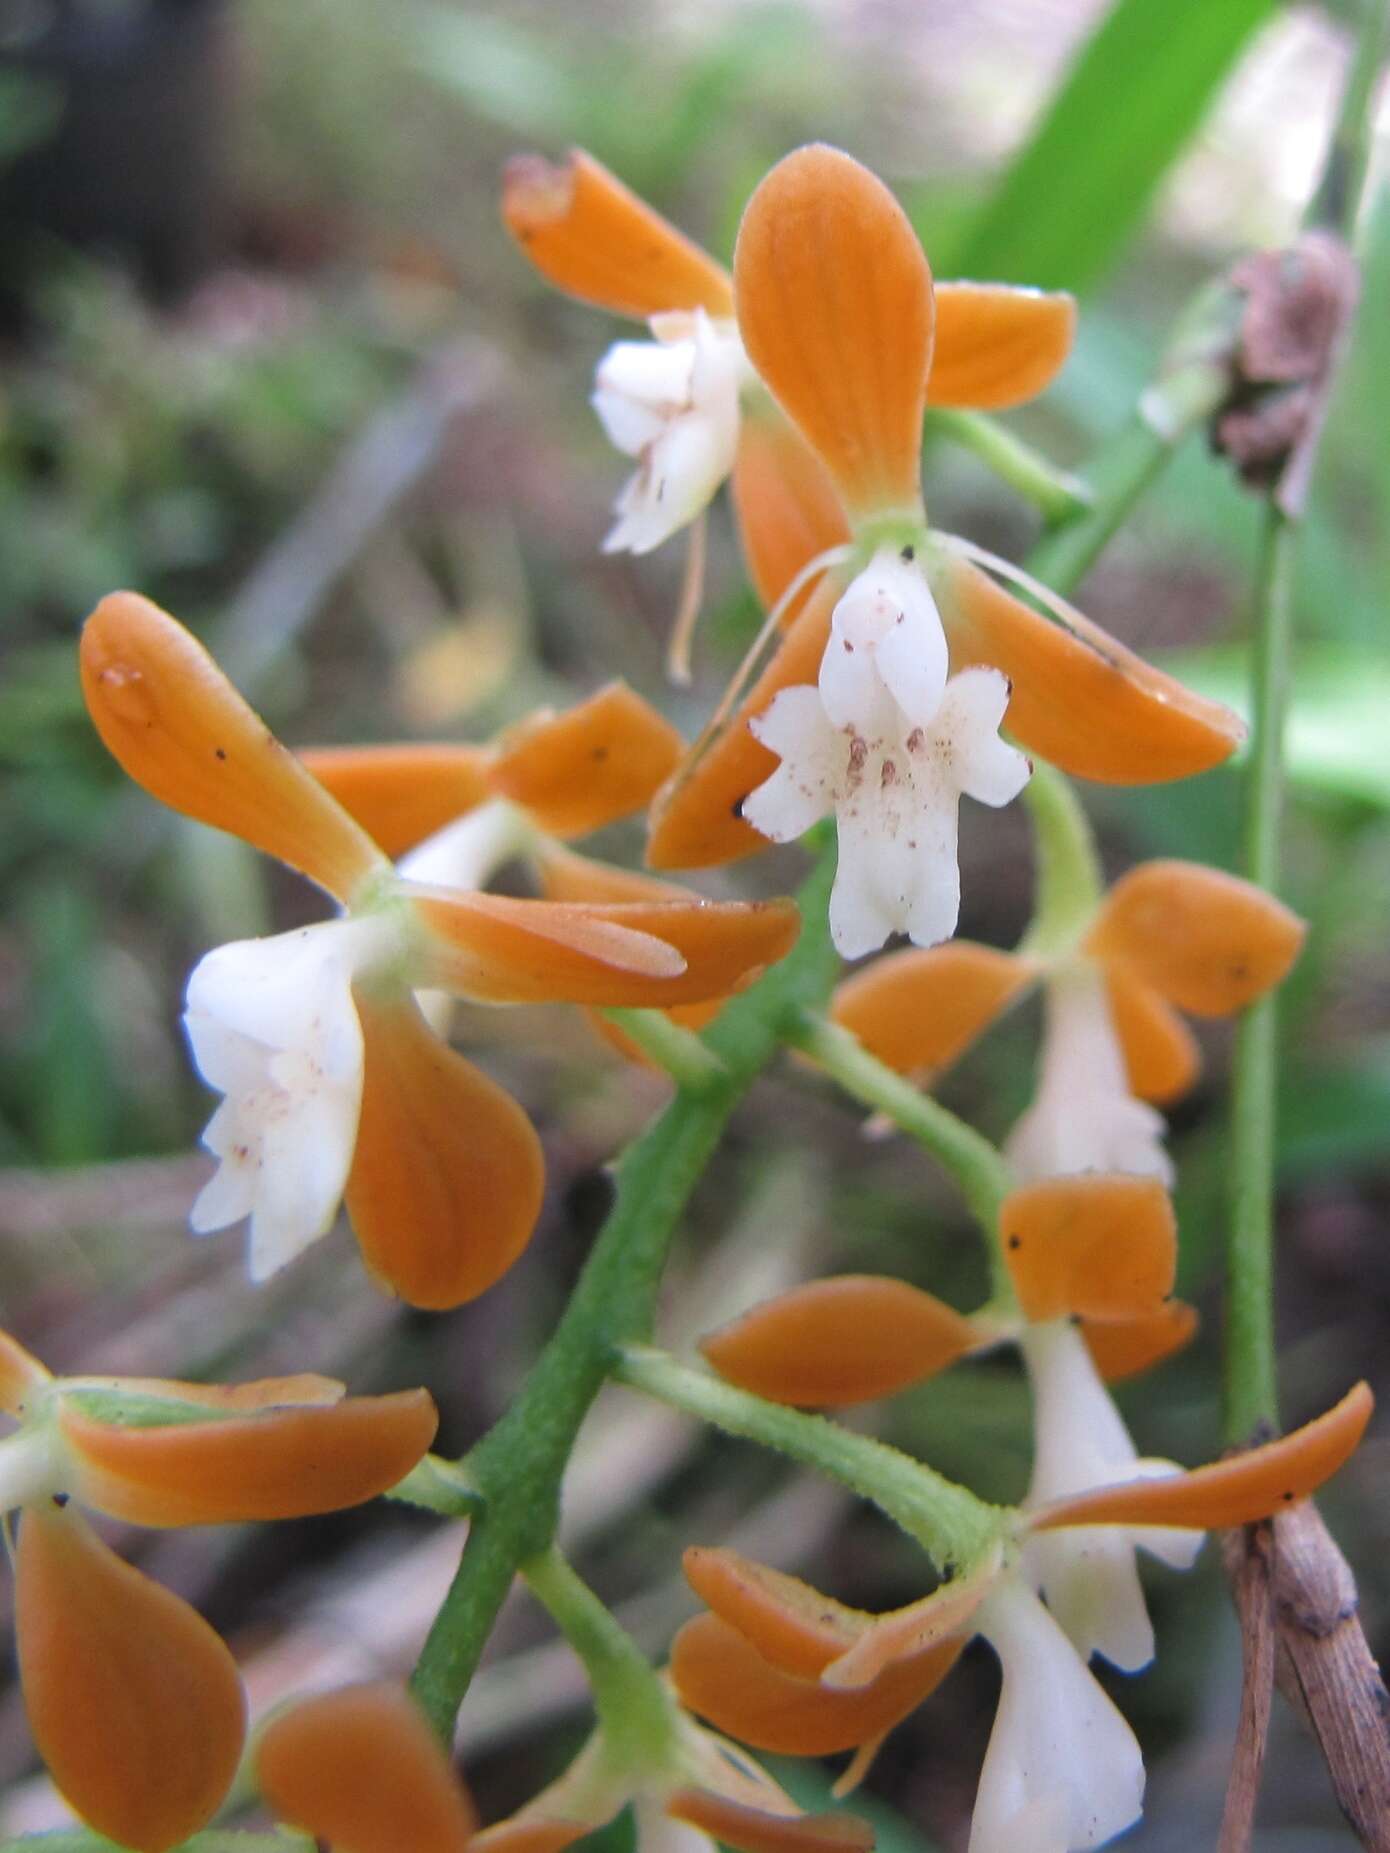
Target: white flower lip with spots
(1088, 1573)
(888, 745)
(272, 1026)
(673, 403)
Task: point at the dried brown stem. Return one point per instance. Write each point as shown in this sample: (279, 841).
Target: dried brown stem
(1248, 1557)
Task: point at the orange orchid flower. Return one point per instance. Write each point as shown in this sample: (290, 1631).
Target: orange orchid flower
(688, 407)
(134, 1702)
(840, 319)
(335, 1087)
(360, 1770)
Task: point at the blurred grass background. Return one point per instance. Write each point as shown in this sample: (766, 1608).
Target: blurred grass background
(269, 357)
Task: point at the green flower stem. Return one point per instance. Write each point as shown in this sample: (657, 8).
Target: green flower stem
(977, 1167)
(634, 1712)
(519, 1464)
(1068, 882)
(437, 1485)
(1059, 495)
(950, 1523)
(691, 1064)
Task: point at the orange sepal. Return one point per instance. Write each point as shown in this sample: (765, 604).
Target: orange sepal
(448, 1175)
(696, 819)
(788, 1623)
(720, 1674)
(402, 794)
(1162, 1056)
(362, 1769)
(785, 505)
(20, 1372)
(565, 875)
(305, 1390)
(533, 1836)
(1123, 1348)
(1102, 1245)
(755, 1830)
(919, 1010)
(1236, 1491)
(135, 1704)
(576, 771)
(173, 721)
(1080, 698)
(997, 345)
(593, 238)
(1204, 940)
(832, 1343)
(834, 300)
(643, 953)
(285, 1463)
(907, 1636)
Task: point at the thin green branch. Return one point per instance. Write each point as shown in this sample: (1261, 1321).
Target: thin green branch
(1068, 881)
(949, 1522)
(1055, 492)
(691, 1063)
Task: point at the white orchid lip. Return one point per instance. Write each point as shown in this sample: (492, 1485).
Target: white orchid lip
(673, 403)
(272, 1025)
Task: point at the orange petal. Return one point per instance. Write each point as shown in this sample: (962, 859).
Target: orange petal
(448, 1175)
(1104, 1246)
(307, 1390)
(1125, 1347)
(582, 228)
(285, 1463)
(134, 1702)
(789, 1624)
(576, 771)
(1080, 698)
(920, 1010)
(908, 1635)
(361, 1768)
(20, 1372)
(175, 723)
(997, 345)
(566, 876)
(1207, 941)
(785, 504)
(402, 794)
(754, 1830)
(1162, 1058)
(720, 1674)
(653, 953)
(840, 1341)
(536, 1836)
(1236, 1491)
(696, 818)
(834, 301)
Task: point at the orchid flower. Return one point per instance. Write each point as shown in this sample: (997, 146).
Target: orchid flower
(361, 1771)
(839, 316)
(787, 1669)
(335, 1087)
(134, 1702)
(689, 406)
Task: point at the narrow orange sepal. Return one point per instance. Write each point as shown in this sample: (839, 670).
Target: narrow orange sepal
(919, 1010)
(696, 819)
(1104, 1246)
(362, 1769)
(577, 771)
(834, 300)
(841, 1341)
(565, 875)
(20, 1372)
(755, 1830)
(448, 1174)
(135, 1703)
(1080, 698)
(1236, 1491)
(593, 238)
(174, 722)
(907, 1635)
(1204, 940)
(1123, 1348)
(535, 1836)
(402, 794)
(720, 1674)
(785, 504)
(790, 1625)
(641, 953)
(1162, 1057)
(285, 1463)
(306, 1390)
(997, 345)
